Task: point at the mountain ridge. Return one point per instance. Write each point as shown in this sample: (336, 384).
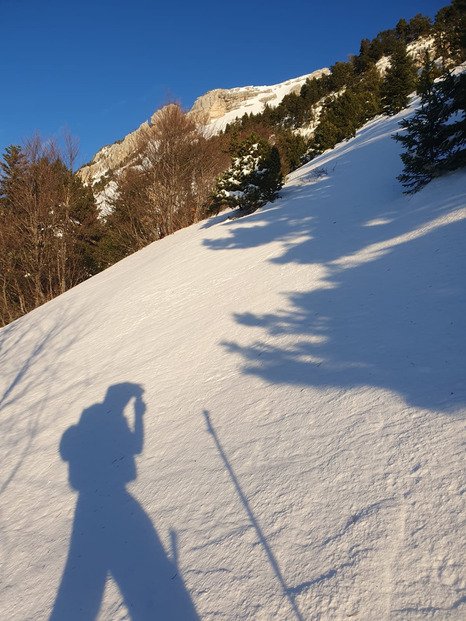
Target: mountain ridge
(218, 107)
(214, 109)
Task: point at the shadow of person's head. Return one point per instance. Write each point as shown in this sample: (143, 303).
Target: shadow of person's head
(119, 395)
(100, 449)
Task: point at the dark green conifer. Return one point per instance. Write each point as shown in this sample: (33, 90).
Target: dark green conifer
(12, 170)
(450, 32)
(268, 176)
(419, 26)
(427, 76)
(402, 30)
(434, 139)
(342, 74)
(253, 179)
(292, 148)
(400, 81)
(363, 61)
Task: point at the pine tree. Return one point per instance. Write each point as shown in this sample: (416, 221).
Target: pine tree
(268, 177)
(450, 32)
(326, 136)
(292, 148)
(253, 179)
(363, 61)
(346, 113)
(453, 90)
(402, 29)
(428, 75)
(12, 170)
(419, 26)
(400, 81)
(435, 137)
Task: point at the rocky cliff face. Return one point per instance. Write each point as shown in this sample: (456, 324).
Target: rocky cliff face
(112, 156)
(227, 104)
(215, 104)
(214, 109)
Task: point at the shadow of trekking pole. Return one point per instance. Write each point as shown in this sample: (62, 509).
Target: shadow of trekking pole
(260, 534)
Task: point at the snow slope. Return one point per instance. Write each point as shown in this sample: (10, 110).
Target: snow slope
(298, 450)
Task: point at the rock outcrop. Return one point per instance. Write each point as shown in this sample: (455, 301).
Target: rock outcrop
(215, 104)
(215, 109)
(112, 156)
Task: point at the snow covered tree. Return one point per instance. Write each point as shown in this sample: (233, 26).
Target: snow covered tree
(253, 179)
(435, 137)
(400, 81)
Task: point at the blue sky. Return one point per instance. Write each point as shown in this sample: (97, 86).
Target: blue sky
(104, 67)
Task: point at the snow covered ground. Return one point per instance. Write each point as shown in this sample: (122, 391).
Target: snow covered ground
(251, 419)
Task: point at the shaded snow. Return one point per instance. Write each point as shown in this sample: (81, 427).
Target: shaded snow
(301, 452)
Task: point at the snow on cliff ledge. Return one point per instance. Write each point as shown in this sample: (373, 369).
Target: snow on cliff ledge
(222, 106)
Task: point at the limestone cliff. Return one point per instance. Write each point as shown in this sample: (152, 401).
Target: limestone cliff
(214, 109)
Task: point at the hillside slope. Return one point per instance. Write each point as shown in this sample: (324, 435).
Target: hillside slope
(301, 452)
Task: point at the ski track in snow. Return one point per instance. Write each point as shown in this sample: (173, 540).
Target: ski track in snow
(302, 444)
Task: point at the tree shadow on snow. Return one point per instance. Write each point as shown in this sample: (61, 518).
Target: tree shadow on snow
(112, 535)
(22, 353)
(386, 303)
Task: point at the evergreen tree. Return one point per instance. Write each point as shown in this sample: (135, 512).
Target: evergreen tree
(450, 32)
(312, 91)
(453, 90)
(428, 75)
(294, 109)
(292, 148)
(326, 136)
(363, 61)
(400, 81)
(253, 179)
(342, 74)
(268, 176)
(12, 170)
(384, 44)
(419, 26)
(345, 114)
(402, 30)
(435, 137)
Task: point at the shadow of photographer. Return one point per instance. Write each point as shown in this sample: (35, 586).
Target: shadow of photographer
(112, 535)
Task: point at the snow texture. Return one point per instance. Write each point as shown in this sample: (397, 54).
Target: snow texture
(251, 419)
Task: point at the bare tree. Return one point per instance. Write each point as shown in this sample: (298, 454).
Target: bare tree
(49, 222)
(167, 184)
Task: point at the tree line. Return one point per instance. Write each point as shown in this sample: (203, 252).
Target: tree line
(338, 104)
(49, 226)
